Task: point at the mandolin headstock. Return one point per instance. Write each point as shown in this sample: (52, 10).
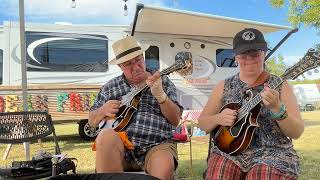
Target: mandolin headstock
(187, 58)
(183, 60)
(311, 60)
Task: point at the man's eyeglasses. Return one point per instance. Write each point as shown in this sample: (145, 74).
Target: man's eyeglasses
(252, 53)
(130, 63)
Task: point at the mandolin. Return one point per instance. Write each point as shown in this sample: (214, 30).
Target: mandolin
(131, 101)
(237, 138)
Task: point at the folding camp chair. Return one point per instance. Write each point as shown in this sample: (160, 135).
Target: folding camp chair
(19, 127)
(183, 134)
(185, 128)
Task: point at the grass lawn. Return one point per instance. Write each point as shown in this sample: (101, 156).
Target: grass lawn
(308, 148)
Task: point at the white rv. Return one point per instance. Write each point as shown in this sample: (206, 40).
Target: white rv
(308, 95)
(67, 64)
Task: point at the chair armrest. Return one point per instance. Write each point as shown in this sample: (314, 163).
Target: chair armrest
(192, 125)
(185, 132)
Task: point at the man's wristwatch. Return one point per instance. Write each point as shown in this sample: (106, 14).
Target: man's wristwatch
(282, 114)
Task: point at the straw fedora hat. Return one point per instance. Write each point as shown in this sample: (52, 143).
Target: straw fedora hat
(126, 49)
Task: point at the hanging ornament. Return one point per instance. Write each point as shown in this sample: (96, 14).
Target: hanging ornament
(61, 101)
(78, 102)
(1, 104)
(45, 103)
(41, 103)
(38, 103)
(73, 4)
(93, 97)
(86, 101)
(72, 102)
(11, 103)
(29, 99)
(125, 8)
(75, 102)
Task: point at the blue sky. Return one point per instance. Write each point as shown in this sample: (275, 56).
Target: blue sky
(111, 12)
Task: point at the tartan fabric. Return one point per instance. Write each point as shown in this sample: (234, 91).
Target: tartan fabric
(148, 126)
(221, 168)
(265, 172)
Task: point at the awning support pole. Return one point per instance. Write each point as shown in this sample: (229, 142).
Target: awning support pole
(281, 42)
(139, 7)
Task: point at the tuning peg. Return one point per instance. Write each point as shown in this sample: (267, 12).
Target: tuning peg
(309, 73)
(302, 75)
(316, 71)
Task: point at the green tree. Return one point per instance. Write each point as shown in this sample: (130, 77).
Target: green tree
(301, 11)
(276, 65)
(317, 47)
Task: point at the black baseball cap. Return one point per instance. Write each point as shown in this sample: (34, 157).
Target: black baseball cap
(249, 39)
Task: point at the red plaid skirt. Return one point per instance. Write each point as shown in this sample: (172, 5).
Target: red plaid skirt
(222, 168)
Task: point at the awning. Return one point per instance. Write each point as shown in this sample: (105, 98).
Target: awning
(179, 22)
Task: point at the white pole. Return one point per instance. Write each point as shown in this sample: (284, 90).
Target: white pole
(23, 69)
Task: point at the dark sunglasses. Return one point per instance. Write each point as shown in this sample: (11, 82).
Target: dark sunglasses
(252, 53)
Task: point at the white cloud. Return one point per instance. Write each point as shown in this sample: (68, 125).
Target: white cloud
(291, 60)
(86, 11)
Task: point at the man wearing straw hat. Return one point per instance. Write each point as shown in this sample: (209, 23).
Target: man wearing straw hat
(146, 143)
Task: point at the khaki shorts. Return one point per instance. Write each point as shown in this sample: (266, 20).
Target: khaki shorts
(170, 147)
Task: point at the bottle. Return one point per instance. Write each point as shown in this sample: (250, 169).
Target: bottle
(54, 161)
(194, 133)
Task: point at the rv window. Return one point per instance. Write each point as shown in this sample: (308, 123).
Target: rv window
(66, 52)
(1, 65)
(225, 58)
(152, 58)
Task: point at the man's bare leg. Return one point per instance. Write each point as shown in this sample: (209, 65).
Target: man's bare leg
(161, 165)
(110, 152)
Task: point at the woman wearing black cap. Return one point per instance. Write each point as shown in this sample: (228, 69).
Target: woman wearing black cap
(269, 153)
